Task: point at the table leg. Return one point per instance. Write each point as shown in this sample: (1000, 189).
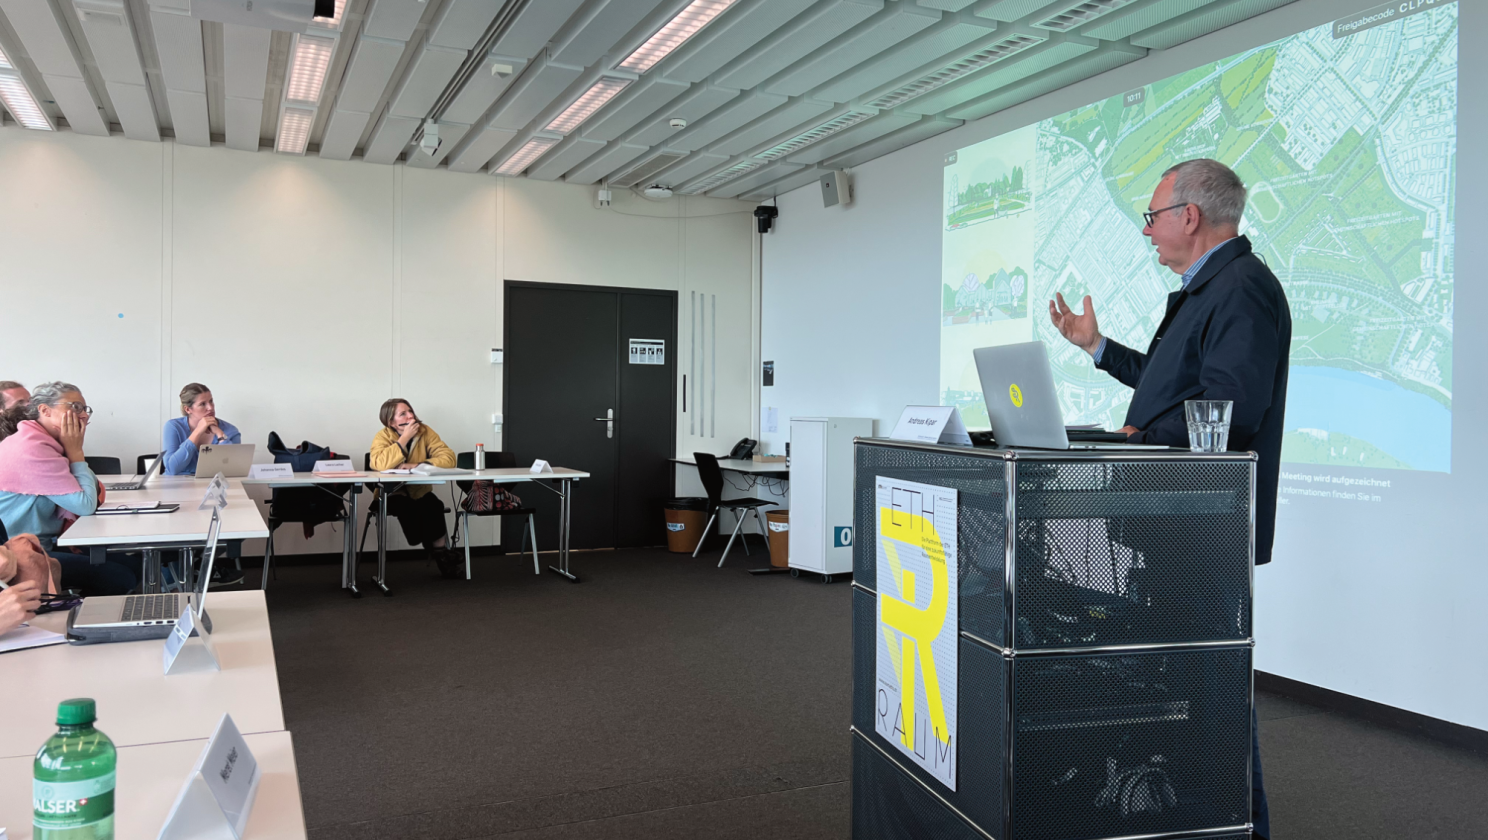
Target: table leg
(152, 571)
(381, 579)
(348, 542)
(565, 510)
(349, 575)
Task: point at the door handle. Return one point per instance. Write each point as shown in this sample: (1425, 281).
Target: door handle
(609, 421)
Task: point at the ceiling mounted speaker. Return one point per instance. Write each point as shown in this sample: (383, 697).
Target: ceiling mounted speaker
(657, 192)
(281, 15)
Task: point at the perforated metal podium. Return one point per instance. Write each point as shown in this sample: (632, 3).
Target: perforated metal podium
(1104, 646)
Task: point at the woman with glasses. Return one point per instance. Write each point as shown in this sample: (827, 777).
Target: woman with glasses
(404, 443)
(198, 425)
(45, 482)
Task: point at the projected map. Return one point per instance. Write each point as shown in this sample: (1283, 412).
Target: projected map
(1348, 147)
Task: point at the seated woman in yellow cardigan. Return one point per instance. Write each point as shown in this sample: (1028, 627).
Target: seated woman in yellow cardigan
(404, 443)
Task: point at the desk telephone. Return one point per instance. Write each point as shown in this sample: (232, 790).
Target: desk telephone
(743, 450)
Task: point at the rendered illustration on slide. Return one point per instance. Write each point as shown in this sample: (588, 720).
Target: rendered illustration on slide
(1347, 141)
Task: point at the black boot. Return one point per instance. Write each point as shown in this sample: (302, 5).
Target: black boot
(451, 563)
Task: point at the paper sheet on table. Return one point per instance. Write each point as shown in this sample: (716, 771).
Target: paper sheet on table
(26, 636)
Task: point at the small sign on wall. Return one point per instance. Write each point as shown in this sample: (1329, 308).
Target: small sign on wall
(647, 351)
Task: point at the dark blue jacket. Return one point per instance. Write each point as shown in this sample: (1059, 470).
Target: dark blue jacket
(1226, 337)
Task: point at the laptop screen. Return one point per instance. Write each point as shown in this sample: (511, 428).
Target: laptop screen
(209, 553)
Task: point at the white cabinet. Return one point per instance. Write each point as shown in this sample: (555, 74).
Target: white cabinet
(821, 490)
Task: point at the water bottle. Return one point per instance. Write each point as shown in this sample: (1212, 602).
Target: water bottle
(480, 457)
(72, 788)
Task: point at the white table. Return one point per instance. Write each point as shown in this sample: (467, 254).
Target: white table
(137, 703)
(771, 469)
(150, 777)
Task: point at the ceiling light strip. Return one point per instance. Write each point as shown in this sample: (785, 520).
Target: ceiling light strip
(821, 132)
(584, 107)
(687, 23)
(308, 63)
(294, 130)
(18, 99)
(525, 156)
(723, 176)
(1081, 14)
(959, 69)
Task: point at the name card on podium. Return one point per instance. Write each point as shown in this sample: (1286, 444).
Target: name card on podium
(932, 424)
(217, 797)
(188, 649)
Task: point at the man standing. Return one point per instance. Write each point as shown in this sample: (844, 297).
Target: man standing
(1226, 335)
(12, 393)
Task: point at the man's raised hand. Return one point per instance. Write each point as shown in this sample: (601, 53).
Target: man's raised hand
(1081, 330)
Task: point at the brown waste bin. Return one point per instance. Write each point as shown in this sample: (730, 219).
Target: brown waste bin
(778, 523)
(685, 520)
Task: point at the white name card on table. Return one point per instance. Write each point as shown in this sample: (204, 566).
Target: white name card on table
(217, 797)
(339, 465)
(216, 495)
(541, 466)
(271, 471)
(932, 424)
(188, 649)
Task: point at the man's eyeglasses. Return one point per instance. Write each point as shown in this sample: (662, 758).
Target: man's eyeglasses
(1151, 215)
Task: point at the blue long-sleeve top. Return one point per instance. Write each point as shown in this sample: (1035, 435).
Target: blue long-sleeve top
(180, 452)
(23, 513)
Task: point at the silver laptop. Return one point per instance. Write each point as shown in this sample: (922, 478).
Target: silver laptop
(1022, 405)
(130, 618)
(231, 459)
(149, 474)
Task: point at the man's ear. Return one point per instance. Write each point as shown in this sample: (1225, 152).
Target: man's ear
(1192, 217)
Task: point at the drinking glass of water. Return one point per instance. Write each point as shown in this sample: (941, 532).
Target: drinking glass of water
(1208, 424)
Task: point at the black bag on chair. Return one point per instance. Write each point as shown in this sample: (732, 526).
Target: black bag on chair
(309, 505)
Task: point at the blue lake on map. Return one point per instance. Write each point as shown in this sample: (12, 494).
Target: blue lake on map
(1409, 426)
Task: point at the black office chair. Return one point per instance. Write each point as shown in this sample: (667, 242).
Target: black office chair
(498, 461)
(313, 505)
(104, 465)
(142, 463)
(712, 478)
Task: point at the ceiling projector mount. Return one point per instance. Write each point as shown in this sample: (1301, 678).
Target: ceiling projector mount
(657, 192)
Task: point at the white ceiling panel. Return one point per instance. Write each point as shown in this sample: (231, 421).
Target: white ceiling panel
(605, 163)
(1129, 20)
(243, 119)
(135, 111)
(1108, 57)
(390, 138)
(342, 134)
(563, 157)
(1011, 10)
(77, 104)
(750, 106)
(1202, 21)
(587, 37)
(461, 23)
(449, 137)
(865, 132)
(394, 19)
(481, 89)
(793, 180)
(43, 36)
(189, 117)
(245, 60)
(790, 116)
(542, 83)
(178, 43)
(690, 167)
(946, 5)
(757, 178)
(928, 47)
(479, 150)
(692, 106)
(111, 38)
(909, 135)
(862, 44)
(1021, 66)
(727, 37)
(368, 74)
(632, 106)
(425, 80)
(796, 39)
(534, 27)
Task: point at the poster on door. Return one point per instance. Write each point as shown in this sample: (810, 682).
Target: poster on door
(647, 351)
(917, 624)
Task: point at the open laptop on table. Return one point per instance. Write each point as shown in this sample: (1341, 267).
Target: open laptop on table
(1022, 405)
(130, 618)
(140, 485)
(233, 460)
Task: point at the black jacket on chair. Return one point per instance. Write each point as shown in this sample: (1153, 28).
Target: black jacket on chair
(1226, 337)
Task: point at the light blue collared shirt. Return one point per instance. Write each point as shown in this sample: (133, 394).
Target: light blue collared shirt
(1188, 277)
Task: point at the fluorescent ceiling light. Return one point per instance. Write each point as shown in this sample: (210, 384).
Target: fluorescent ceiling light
(294, 131)
(530, 151)
(959, 69)
(821, 132)
(687, 23)
(308, 63)
(584, 107)
(723, 176)
(18, 99)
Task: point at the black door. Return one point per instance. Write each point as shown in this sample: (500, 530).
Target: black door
(569, 367)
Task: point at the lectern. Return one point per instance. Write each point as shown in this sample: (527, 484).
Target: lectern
(1089, 676)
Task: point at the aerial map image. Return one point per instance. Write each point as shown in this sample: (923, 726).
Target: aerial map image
(1346, 137)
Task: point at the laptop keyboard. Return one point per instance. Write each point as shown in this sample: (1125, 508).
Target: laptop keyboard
(151, 607)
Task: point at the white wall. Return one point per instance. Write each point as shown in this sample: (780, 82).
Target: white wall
(305, 292)
(1383, 606)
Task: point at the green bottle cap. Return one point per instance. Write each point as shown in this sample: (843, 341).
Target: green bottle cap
(77, 711)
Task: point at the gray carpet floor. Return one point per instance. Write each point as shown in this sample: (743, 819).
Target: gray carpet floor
(663, 698)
